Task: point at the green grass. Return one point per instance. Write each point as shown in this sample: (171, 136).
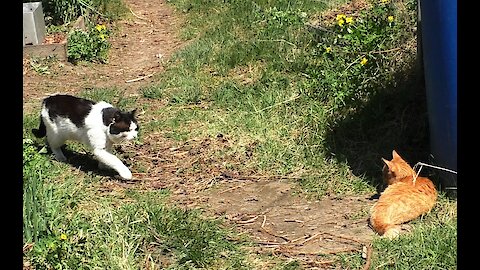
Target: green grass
(111, 95)
(256, 74)
(71, 227)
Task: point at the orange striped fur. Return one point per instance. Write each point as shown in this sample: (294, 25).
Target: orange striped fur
(402, 200)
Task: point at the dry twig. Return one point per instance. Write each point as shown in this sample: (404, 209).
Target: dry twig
(308, 239)
(369, 256)
(141, 18)
(140, 78)
(247, 221)
(230, 189)
(328, 252)
(272, 234)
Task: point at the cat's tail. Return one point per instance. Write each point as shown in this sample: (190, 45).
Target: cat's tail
(382, 222)
(41, 131)
(385, 229)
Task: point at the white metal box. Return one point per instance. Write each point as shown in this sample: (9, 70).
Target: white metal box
(33, 23)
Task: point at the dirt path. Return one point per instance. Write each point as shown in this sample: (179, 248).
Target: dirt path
(266, 208)
(138, 50)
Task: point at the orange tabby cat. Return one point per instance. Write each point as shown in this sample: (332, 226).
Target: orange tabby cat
(403, 200)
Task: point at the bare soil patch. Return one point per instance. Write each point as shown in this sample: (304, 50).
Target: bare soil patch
(270, 209)
(267, 208)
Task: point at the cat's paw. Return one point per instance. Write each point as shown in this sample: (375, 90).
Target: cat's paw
(125, 174)
(60, 158)
(392, 232)
(58, 154)
(406, 228)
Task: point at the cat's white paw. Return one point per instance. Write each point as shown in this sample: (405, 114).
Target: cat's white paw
(406, 228)
(58, 154)
(60, 157)
(125, 174)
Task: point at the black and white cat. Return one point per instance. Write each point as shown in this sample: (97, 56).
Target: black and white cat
(97, 125)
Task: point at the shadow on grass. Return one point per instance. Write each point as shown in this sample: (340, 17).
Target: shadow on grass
(395, 118)
(82, 161)
(85, 163)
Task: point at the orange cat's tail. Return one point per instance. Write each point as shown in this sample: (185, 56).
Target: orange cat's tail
(383, 228)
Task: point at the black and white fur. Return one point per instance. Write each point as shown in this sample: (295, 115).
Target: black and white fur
(97, 125)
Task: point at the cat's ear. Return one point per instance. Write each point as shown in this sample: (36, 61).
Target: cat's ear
(117, 116)
(390, 165)
(387, 162)
(133, 112)
(395, 154)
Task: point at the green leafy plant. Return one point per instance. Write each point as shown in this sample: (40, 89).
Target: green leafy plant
(90, 45)
(42, 65)
(56, 252)
(275, 19)
(358, 54)
(38, 67)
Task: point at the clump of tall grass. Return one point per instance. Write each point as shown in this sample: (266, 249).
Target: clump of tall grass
(36, 169)
(64, 12)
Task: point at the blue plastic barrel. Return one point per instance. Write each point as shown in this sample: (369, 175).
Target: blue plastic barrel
(438, 20)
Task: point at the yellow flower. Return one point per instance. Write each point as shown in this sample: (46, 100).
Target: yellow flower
(63, 236)
(341, 22)
(328, 49)
(100, 27)
(102, 36)
(390, 18)
(384, 1)
(364, 61)
(341, 17)
(349, 20)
